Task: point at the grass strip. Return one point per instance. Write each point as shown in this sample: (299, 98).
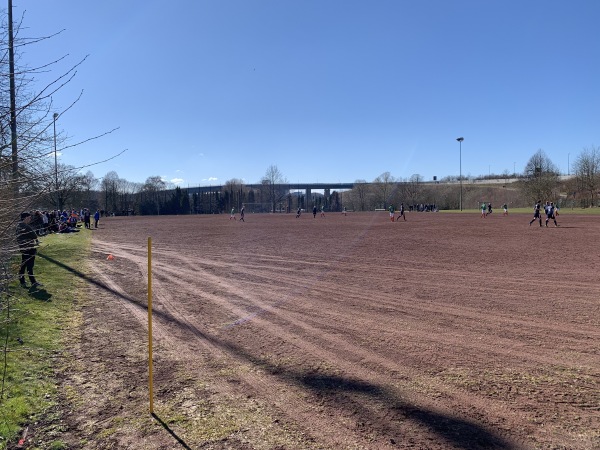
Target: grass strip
(32, 325)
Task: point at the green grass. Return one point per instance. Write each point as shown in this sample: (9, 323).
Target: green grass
(32, 328)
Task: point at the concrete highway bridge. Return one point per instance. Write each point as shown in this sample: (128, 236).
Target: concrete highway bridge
(307, 187)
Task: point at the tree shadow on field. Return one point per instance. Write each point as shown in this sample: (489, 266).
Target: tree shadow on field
(129, 299)
(367, 401)
(342, 393)
(93, 281)
(379, 409)
(455, 431)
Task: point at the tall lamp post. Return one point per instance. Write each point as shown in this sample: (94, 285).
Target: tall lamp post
(55, 116)
(460, 139)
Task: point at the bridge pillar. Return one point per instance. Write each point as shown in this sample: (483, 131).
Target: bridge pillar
(308, 202)
(327, 193)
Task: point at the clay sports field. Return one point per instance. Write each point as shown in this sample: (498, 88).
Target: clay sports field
(447, 331)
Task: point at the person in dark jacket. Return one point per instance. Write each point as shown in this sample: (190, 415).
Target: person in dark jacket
(27, 240)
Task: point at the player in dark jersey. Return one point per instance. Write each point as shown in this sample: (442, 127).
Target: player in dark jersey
(401, 212)
(536, 213)
(550, 208)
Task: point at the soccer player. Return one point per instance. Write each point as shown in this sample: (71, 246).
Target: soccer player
(550, 213)
(401, 212)
(536, 213)
(392, 211)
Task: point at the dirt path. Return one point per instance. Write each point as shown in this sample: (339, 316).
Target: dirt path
(444, 331)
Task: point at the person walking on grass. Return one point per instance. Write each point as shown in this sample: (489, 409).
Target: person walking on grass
(322, 210)
(232, 216)
(483, 210)
(86, 219)
(242, 214)
(315, 212)
(27, 240)
(537, 215)
(392, 211)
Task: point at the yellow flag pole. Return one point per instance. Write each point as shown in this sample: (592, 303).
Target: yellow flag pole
(150, 383)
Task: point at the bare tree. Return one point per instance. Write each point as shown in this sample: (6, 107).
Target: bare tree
(587, 170)
(383, 186)
(359, 194)
(274, 186)
(110, 188)
(233, 189)
(541, 177)
(150, 202)
(413, 188)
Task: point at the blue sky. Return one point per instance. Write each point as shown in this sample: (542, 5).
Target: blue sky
(328, 91)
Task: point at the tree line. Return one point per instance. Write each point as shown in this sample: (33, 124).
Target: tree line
(540, 180)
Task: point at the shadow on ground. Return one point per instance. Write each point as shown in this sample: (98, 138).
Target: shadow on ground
(340, 392)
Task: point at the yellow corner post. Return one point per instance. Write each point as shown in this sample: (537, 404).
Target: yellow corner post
(150, 383)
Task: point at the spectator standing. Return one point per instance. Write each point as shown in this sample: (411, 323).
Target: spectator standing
(96, 218)
(28, 240)
(86, 218)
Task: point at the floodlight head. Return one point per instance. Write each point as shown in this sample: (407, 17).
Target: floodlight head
(460, 139)
(55, 116)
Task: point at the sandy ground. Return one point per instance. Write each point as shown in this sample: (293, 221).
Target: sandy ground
(444, 331)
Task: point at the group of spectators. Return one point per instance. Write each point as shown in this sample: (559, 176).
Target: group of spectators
(44, 222)
(39, 223)
(422, 207)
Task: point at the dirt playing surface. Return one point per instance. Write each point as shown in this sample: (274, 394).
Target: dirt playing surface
(446, 331)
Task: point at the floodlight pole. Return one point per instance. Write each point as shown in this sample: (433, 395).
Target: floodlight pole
(460, 139)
